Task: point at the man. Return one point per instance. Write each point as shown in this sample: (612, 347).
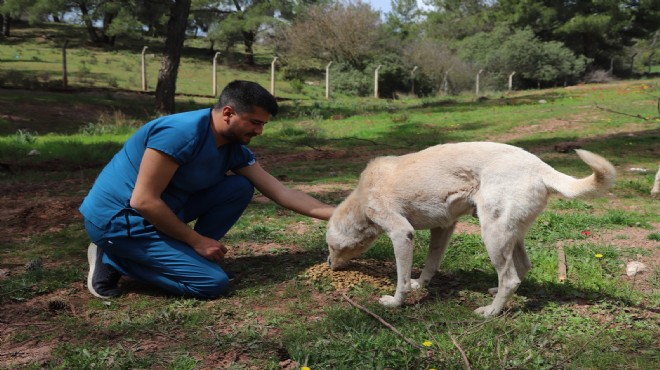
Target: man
(172, 171)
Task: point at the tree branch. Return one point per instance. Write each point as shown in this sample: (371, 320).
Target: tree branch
(630, 115)
(465, 359)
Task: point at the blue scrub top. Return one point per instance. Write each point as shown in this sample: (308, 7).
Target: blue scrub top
(186, 137)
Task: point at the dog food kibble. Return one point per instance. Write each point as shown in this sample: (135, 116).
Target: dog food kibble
(357, 272)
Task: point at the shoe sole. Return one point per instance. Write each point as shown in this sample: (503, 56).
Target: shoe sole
(91, 258)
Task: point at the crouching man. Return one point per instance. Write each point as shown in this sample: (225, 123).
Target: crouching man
(172, 171)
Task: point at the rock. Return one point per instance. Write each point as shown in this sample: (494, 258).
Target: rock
(567, 146)
(633, 268)
(34, 152)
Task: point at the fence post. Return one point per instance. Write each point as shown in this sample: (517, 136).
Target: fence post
(445, 82)
(215, 74)
(144, 69)
(272, 76)
(65, 81)
(412, 80)
(327, 81)
(477, 88)
(511, 80)
(376, 81)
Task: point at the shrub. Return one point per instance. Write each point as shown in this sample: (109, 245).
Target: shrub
(598, 76)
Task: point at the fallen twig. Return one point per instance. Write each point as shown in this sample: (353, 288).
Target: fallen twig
(382, 321)
(472, 328)
(465, 359)
(561, 263)
(627, 114)
(34, 323)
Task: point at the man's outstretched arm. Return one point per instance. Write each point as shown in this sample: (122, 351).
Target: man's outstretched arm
(292, 199)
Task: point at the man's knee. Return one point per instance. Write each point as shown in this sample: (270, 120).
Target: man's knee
(243, 187)
(213, 286)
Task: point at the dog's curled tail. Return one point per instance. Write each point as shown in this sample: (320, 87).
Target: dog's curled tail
(602, 178)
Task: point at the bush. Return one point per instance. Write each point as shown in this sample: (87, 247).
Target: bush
(345, 79)
(535, 62)
(598, 76)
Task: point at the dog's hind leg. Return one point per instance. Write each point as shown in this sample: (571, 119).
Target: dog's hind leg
(520, 260)
(500, 245)
(437, 247)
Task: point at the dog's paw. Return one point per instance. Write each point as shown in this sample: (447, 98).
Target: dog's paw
(389, 301)
(416, 284)
(487, 311)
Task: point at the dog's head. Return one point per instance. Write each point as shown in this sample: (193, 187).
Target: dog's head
(349, 234)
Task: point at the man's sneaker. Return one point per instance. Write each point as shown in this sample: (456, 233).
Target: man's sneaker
(102, 280)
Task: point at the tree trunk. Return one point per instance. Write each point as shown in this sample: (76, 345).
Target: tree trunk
(248, 41)
(94, 37)
(169, 65)
(6, 25)
(107, 21)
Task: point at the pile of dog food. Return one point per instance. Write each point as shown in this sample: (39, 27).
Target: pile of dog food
(379, 274)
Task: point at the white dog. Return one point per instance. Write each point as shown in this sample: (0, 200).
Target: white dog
(505, 186)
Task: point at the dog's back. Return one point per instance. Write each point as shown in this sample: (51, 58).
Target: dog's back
(449, 180)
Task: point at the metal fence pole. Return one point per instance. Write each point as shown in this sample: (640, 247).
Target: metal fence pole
(65, 80)
(272, 76)
(144, 69)
(327, 81)
(412, 80)
(215, 74)
(477, 88)
(376, 81)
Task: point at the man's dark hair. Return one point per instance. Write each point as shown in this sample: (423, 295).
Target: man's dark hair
(243, 96)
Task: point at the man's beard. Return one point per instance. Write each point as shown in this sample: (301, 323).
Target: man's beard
(243, 140)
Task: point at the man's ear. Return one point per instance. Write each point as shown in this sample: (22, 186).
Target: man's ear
(226, 112)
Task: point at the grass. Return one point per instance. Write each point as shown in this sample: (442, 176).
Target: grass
(598, 319)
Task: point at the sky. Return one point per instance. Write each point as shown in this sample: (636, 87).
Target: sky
(383, 5)
(386, 5)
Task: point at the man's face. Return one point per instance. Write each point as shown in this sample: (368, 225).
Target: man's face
(244, 126)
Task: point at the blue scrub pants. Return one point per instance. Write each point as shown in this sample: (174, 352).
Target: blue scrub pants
(135, 248)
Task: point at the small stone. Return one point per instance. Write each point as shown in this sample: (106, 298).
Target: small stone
(635, 267)
(33, 265)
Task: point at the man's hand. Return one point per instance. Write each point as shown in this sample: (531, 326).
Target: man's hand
(210, 249)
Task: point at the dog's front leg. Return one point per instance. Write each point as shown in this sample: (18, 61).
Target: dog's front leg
(402, 240)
